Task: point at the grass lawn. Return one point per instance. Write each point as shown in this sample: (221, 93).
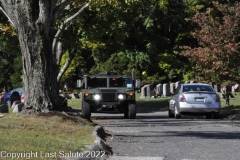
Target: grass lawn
(43, 135)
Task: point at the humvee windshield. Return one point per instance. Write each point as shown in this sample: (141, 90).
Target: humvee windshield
(97, 82)
(113, 82)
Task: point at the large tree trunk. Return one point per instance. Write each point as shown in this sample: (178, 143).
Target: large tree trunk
(34, 21)
(39, 63)
(40, 71)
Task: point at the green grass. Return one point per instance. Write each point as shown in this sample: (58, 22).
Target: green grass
(49, 133)
(233, 108)
(75, 103)
(146, 105)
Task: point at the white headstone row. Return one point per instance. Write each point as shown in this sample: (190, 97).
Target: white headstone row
(164, 90)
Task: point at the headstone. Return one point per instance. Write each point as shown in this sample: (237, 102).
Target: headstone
(217, 88)
(143, 91)
(166, 89)
(18, 108)
(159, 89)
(147, 91)
(4, 108)
(15, 103)
(177, 84)
(75, 95)
(151, 92)
(172, 88)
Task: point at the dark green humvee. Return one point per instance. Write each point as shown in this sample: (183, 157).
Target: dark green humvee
(109, 92)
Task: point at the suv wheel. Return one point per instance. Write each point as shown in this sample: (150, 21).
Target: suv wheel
(132, 109)
(86, 110)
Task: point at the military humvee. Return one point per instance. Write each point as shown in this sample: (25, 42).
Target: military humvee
(109, 92)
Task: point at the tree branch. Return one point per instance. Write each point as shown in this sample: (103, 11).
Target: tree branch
(63, 25)
(7, 16)
(66, 65)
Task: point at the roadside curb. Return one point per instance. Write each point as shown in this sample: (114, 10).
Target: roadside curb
(233, 117)
(97, 151)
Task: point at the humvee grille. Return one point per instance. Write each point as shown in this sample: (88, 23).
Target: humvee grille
(108, 96)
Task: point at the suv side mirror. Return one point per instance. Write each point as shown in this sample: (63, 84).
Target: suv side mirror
(138, 84)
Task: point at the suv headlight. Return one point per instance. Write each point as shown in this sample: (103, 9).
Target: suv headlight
(96, 97)
(120, 96)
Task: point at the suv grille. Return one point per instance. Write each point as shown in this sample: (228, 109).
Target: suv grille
(109, 96)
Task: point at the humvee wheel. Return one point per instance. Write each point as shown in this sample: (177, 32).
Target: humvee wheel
(86, 110)
(126, 112)
(132, 110)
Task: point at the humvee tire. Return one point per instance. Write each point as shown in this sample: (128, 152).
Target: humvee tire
(126, 113)
(132, 110)
(86, 110)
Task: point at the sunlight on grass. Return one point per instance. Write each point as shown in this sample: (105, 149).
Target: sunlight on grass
(44, 133)
(75, 103)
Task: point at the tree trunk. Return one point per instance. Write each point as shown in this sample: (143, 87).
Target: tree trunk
(40, 68)
(40, 72)
(39, 36)
(35, 30)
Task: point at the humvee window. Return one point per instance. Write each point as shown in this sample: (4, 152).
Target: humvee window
(97, 82)
(121, 82)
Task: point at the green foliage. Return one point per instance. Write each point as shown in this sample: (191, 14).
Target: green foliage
(189, 76)
(17, 75)
(123, 63)
(71, 75)
(154, 79)
(9, 50)
(152, 30)
(217, 53)
(118, 36)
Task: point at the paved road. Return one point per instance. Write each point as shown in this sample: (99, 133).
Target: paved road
(153, 136)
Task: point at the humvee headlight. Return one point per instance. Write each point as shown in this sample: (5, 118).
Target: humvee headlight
(120, 96)
(96, 96)
(86, 94)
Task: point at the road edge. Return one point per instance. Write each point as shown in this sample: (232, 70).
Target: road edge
(99, 147)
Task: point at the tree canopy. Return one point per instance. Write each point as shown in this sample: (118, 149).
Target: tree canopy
(61, 39)
(217, 54)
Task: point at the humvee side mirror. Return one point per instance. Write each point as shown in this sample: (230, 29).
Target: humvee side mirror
(138, 84)
(79, 83)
